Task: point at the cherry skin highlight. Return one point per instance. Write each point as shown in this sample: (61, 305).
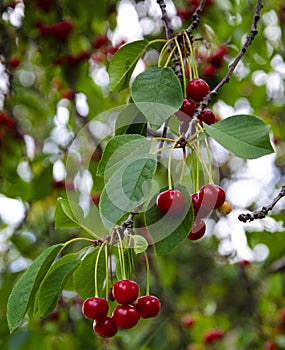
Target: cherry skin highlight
(148, 306)
(125, 291)
(170, 200)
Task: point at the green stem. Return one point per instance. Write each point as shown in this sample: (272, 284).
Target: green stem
(157, 41)
(182, 67)
(107, 271)
(183, 166)
(121, 257)
(96, 269)
(209, 161)
(169, 57)
(195, 69)
(147, 273)
(160, 149)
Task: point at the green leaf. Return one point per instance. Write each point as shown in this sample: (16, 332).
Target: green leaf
(22, 295)
(127, 189)
(131, 121)
(123, 64)
(157, 93)
(119, 150)
(245, 136)
(84, 277)
(68, 214)
(53, 283)
(274, 241)
(167, 230)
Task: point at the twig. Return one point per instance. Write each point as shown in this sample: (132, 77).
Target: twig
(169, 35)
(195, 20)
(206, 101)
(261, 214)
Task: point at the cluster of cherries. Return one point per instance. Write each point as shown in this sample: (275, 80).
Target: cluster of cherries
(196, 90)
(208, 198)
(125, 315)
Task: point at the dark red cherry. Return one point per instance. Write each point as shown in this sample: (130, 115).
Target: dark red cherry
(125, 291)
(188, 107)
(208, 117)
(199, 212)
(198, 230)
(95, 308)
(212, 335)
(105, 328)
(197, 89)
(126, 316)
(170, 200)
(148, 306)
(211, 196)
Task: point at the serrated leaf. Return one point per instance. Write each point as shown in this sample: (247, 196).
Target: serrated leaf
(246, 136)
(157, 93)
(68, 214)
(167, 230)
(53, 283)
(22, 295)
(84, 277)
(123, 64)
(119, 150)
(127, 189)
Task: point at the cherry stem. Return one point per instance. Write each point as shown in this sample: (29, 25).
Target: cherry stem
(169, 162)
(96, 269)
(192, 54)
(76, 240)
(147, 273)
(183, 165)
(209, 160)
(107, 271)
(121, 256)
(111, 267)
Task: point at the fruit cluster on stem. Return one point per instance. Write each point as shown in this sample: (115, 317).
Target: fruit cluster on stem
(125, 315)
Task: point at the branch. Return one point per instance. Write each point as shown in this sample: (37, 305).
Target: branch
(261, 214)
(195, 20)
(206, 101)
(169, 35)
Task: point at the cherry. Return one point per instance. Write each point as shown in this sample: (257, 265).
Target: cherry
(209, 70)
(61, 30)
(170, 200)
(95, 308)
(188, 320)
(126, 316)
(44, 5)
(199, 212)
(198, 230)
(125, 291)
(212, 335)
(105, 328)
(217, 58)
(68, 94)
(208, 117)
(186, 111)
(148, 306)
(211, 196)
(101, 40)
(197, 89)
(14, 62)
(270, 345)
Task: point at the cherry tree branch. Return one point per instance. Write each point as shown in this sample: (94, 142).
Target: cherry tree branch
(169, 35)
(261, 214)
(195, 20)
(206, 101)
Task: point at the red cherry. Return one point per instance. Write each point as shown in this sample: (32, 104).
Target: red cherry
(126, 316)
(213, 335)
(44, 5)
(14, 62)
(199, 212)
(208, 117)
(100, 41)
(197, 89)
(209, 70)
(148, 306)
(282, 315)
(188, 321)
(68, 94)
(270, 345)
(170, 200)
(62, 30)
(211, 196)
(217, 58)
(105, 328)
(198, 230)
(125, 291)
(186, 111)
(95, 308)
